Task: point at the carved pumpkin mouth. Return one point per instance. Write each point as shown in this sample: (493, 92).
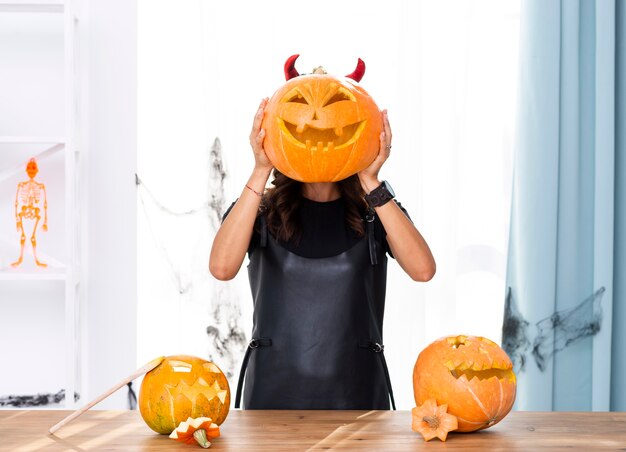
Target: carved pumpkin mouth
(480, 366)
(310, 137)
(483, 374)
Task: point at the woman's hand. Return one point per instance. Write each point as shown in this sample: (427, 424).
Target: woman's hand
(256, 139)
(369, 176)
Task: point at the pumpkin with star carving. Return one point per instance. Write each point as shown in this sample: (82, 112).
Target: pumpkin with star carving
(183, 387)
(321, 128)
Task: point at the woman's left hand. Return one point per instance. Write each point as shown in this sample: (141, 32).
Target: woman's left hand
(369, 176)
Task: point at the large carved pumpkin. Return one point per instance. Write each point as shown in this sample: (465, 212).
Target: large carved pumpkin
(321, 128)
(182, 387)
(472, 375)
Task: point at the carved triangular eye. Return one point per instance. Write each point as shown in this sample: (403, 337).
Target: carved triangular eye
(338, 97)
(298, 99)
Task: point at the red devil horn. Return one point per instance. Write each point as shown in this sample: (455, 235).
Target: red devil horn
(290, 67)
(357, 75)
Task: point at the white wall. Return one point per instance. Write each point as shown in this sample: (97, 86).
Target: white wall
(112, 227)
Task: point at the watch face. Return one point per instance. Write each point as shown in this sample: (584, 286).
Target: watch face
(389, 189)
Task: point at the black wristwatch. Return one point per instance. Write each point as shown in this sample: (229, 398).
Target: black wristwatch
(380, 195)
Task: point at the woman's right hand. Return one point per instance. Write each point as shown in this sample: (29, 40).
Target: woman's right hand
(257, 136)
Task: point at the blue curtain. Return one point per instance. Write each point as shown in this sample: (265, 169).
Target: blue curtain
(565, 316)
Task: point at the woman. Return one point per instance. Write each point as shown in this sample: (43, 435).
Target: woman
(318, 275)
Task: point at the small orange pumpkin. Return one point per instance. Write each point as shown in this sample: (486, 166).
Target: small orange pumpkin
(320, 128)
(471, 374)
(183, 387)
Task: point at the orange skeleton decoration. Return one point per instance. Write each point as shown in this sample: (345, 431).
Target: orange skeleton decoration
(28, 199)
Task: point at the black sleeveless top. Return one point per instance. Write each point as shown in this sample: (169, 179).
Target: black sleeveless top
(324, 230)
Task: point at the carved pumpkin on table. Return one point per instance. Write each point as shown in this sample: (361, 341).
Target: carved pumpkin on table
(472, 375)
(321, 128)
(183, 387)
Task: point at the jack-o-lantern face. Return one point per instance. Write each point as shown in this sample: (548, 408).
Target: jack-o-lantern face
(182, 387)
(321, 128)
(473, 375)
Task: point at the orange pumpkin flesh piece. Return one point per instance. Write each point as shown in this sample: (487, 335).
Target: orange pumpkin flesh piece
(196, 431)
(472, 375)
(183, 387)
(433, 421)
(320, 128)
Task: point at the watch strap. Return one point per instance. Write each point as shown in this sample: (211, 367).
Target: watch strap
(379, 196)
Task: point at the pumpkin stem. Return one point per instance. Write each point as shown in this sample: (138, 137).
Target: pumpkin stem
(200, 436)
(432, 421)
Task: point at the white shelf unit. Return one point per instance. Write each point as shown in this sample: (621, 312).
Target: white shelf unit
(55, 274)
(68, 272)
(42, 6)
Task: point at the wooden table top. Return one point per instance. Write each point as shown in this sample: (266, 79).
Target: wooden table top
(26, 430)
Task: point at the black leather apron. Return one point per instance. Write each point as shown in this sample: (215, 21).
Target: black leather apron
(317, 334)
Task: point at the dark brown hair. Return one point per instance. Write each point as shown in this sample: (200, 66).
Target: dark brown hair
(281, 202)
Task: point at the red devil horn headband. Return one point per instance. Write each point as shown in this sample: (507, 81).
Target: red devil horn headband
(290, 67)
(291, 72)
(358, 73)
